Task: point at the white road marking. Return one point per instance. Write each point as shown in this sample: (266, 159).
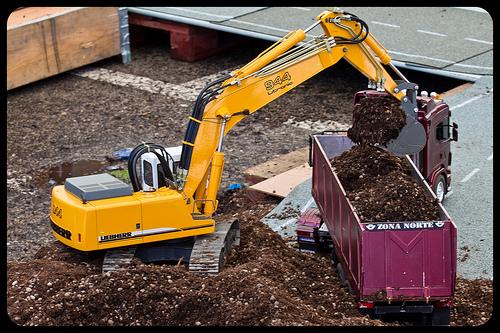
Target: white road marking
(431, 33)
(490, 157)
(302, 8)
(421, 56)
(259, 25)
(198, 12)
(386, 24)
(467, 102)
(479, 41)
(472, 173)
(473, 9)
(473, 66)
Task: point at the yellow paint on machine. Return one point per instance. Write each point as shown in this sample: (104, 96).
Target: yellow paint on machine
(124, 221)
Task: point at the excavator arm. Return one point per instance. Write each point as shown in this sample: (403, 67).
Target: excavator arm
(279, 69)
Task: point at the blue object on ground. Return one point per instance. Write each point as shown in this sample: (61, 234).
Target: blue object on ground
(122, 154)
(234, 187)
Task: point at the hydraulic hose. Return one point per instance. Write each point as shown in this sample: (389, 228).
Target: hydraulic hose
(202, 100)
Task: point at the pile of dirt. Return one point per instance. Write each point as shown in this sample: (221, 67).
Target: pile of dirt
(376, 121)
(473, 302)
(265, 282)
(381, 188)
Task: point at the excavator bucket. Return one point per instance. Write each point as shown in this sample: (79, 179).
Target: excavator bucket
(412, 137)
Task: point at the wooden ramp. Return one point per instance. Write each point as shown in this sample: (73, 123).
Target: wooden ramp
(282, 184)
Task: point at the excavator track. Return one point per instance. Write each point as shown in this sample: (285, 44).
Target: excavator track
(210, 251)
(117, 259)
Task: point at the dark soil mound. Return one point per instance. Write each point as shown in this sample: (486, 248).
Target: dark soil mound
(381, 188)
(377, 120)
(265, 282)
(358, 166)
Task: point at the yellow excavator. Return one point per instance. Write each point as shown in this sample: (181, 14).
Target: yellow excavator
(170, 210)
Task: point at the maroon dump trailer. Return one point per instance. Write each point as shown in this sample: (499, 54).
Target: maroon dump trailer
(398, 267)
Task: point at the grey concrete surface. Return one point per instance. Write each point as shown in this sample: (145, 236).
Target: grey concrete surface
(470, 204)
(447, 38)
(298, 201)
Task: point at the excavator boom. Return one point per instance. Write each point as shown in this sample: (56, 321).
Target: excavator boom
(282, 67)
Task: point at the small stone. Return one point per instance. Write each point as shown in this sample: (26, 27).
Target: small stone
(197, 323)
(28, 289)
(110, 322)
(272, 298)
(49, 284)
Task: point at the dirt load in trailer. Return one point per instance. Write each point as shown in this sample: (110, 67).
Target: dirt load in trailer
(392, 264)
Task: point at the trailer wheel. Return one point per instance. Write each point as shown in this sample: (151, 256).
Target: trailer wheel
(343, 278)
(440, 187)
(333, 257)
(441, 317)
(438, 317)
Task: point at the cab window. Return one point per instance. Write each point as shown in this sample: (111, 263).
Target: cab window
(443, 130)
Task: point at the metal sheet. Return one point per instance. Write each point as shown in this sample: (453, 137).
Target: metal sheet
(211, 14)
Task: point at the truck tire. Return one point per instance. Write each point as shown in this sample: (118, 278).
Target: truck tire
(441, 317)
(344, 281)
(438, 317)
(333, 257)
(440, 187)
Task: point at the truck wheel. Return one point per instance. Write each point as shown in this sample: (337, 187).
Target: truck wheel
(440, 187)
(342, 276)
(333, 257)
(438, 317)
(441, 317)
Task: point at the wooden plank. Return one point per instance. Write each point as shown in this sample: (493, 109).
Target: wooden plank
(281, 185)
(276, 166)
(28, 15)
(39, 48)
(455, 90)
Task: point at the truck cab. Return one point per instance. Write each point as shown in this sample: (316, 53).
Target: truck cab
(434, 160)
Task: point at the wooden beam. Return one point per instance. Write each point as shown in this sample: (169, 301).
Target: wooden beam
(45, 41)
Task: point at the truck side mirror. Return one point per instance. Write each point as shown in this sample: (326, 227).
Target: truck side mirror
(455, 132)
